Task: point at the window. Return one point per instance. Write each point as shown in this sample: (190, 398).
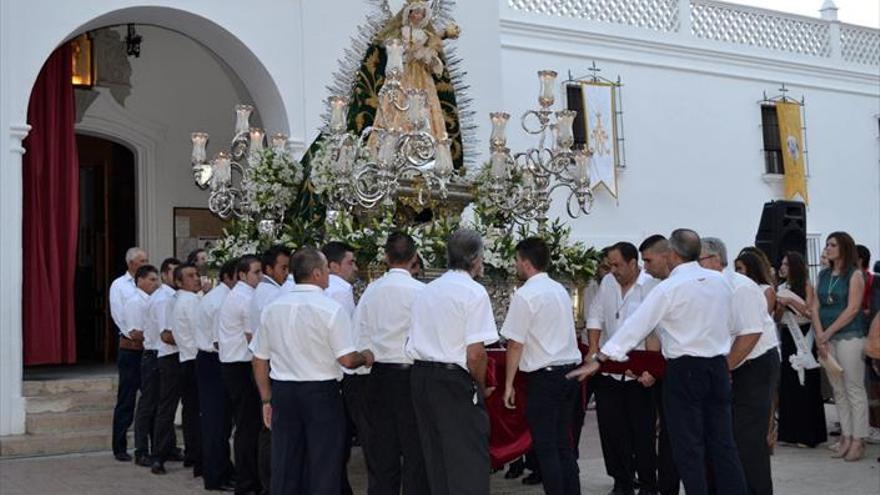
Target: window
(772, 144)
(814, 251)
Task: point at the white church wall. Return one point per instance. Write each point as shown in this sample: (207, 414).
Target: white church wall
(177, 87)
(692, 130)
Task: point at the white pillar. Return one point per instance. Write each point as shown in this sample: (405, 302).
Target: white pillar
(12, 415)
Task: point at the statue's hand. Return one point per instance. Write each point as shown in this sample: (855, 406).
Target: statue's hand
(452, 32)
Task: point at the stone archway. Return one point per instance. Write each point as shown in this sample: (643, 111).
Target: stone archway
(222, 42)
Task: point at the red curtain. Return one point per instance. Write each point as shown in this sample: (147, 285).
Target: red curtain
(51, 210)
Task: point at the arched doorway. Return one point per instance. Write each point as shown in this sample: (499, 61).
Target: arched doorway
(241, 48)
(107, 227)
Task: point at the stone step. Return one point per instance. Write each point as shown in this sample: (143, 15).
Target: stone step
(55, 443)
(63, 422)
(40, 388)
(70, 402)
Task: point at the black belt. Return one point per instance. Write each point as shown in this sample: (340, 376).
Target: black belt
(392, 366)
(151, 351)
(436, 364)
(556, 368)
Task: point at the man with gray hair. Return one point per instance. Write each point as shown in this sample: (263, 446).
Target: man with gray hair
(129, 358)
(692, 310)
(452, 321)
(754, 365)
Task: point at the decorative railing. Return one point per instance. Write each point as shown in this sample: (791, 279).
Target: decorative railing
(761, 28)
(726, 23)
(860, 45)
(659, 15)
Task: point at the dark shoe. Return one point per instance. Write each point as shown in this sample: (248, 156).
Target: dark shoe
(222, 488)
(188, 464)
(158, 468)
(532, 479)
(176, 456)
(197, 471)
(515, 470)
(122, 457)
(143, 460)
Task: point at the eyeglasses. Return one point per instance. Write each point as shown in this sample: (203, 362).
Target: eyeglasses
(704, 258)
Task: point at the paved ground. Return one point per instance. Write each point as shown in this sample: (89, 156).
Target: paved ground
(796, 472)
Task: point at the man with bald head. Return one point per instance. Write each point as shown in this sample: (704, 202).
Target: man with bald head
(692, 309)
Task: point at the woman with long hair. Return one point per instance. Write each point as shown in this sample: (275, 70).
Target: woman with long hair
(840, 334)
(801, 411)
(758, 268)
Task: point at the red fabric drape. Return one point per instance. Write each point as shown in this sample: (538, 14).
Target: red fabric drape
(509, 436)
(50, 185)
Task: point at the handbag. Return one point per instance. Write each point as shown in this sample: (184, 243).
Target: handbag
(872, 343)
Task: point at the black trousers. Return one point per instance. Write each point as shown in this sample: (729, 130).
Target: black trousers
(354, 395)
(192, 428)
(129, 364)
(170, 385)
(579, 413)
(215, 422)
(697, 403)
(394, 449)
(453, 429)
(247, 413)
(625, 411)
(668, 481)
(752, 396)
(145, 416)
(308, 429)
(548, 413)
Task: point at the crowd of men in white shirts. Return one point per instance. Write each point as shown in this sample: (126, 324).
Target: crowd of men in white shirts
(280, 357)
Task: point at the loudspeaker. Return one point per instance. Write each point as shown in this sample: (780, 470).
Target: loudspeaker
(783, 228)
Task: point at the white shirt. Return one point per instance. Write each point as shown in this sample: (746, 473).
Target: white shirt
(121, 291)
(288, 284)
(185, 322)
(157, 317)
(749, 313)
(540, 317)
(610, 308)
(265, 292)
(384, 314)
(233, 323)
(136, 312)
(692, 308)
(451, 313)
(343, 293)
(303, 333)
(207, 313)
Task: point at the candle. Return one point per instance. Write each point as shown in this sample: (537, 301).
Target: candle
(394, 54)
(498, 164)
(415, 112)
(199, 141)
(443, 160)
(242, 118)
(548, 82)
(581, 169)
(387, 147)
(564, 122)
(528, 178)
(222, 165)
(279, 143)
(257, 135)
(498, 138)
(344, 162)
(338, 107)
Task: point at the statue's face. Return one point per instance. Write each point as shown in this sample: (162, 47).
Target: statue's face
(416, 16)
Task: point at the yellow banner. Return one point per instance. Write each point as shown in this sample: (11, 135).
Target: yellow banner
(792, 142)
